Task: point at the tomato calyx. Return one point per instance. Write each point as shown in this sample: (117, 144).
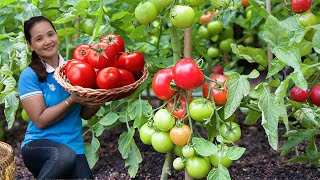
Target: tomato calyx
(100, 51)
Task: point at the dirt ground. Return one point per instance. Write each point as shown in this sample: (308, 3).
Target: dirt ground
(258, 162)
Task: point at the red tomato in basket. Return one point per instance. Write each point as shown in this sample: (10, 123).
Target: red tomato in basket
(109, 78)
(82, 74)
(115, 41)
(102, 55)
(126, 77)
(133, 62)
(81, 52)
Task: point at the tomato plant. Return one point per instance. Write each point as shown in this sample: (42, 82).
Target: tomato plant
(82, 74)
(182, 16)
(180, 135)
(145, 133)
(163, 120)
(300, 6)
(219, 89)
(133, 62)
(186, 67)
(298, 94)
(81, 52)
(315, 95)
(161, 84)
(230, 131)
(201, 109)
(161, 142)
(109, 78)
(198, 167)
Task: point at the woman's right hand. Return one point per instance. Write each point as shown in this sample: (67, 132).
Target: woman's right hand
(84, 101)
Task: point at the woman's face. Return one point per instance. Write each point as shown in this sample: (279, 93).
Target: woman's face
(44, 40)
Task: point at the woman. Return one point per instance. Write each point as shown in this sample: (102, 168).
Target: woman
(53, 146)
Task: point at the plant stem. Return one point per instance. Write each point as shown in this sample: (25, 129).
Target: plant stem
(166, 166)
(270, 55)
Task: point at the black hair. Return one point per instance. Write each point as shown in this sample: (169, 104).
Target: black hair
(36, 63)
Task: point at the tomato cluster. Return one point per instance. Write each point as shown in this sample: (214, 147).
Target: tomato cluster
(299, 95)
(104, 65)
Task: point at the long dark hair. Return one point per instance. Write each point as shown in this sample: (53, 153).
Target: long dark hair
(36, 63)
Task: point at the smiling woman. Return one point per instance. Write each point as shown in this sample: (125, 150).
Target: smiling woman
(53, 146)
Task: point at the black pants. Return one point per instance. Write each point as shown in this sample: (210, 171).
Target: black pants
(46, 159)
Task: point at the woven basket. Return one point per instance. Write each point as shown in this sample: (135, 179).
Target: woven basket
(101, 95)
(7, 163)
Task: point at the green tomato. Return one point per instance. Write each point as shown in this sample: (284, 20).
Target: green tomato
(182, 16)
(249, 14)
(221, 157)
(203, 32)
(200, 109)
(215, 27)
(160, 4)
(188, 151)
(215, 38)
(178, 163)
(213, 52)
(177, 150)
(225, 45)
(145, 133)
(198, 167)
(146, 13)
(163, 120)
(161, 142)
(87, 26)
(248, 40)
(24, 115)
(230, 131)
(227, 33)
(217, 4)
(307, 19)
(1, 87)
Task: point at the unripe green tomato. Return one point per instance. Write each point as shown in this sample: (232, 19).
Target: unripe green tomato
(225, 45)
(307, 19)
(215, 27)
(213, 52)
(163, 120)
(198, 167)
(217, 4)
(215, 38)
(178, 163)
(194, 3)
(182, 16)
(188, 151)
(161, 142)
(224, 161)
(227, 33)
(87, 26)
(24, 115)
(146, 13)
(248, 40)
(203, 32)
(145, 133)
(177, 150)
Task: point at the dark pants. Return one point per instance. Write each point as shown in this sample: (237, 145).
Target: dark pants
(46, 159)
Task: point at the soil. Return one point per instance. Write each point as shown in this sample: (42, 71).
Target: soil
(259, 161)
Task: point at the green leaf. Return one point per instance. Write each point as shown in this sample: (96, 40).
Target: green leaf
(138, 111)
(203, 147)
(297, 137)
(308, 156)
(91, 150)
(98, 129)
(316, 42)
(239, 87)
(288, 55)
(234, 152)
(67, 17)
(270, 116)
(66, 31)
(11, 101)
(220, 173)
(273, 32)
(299, 80)
(29, 10)
(252, 55)
(119, 15)
(109, 119)
(252, 117)
(130, 152)
(281, 91)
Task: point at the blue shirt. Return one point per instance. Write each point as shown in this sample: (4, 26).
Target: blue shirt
(68, 130)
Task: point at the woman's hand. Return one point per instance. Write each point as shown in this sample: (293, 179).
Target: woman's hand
(84, 101)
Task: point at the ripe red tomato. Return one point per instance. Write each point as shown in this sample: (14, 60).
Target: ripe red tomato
(82, 74)
(205, 18)
(245, 3)
(69, 64)
(133, 62)
(179, 135)
(187, 68)
(109, 78)
(300, 6)
(315, 95)
(114, 40)
(219, 93)
(102, 55)
(126, 77)
(161, 84)
(178, 110)
(81, 52)
(217, 69)
(298, 94)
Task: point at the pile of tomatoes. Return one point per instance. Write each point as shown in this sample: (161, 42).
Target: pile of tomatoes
(104, 65)
(170, 128)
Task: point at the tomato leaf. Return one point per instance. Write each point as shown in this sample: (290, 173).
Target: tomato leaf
(130, 152)
(220, 173)
(316, 41)
(11, 101)
(297, 137)
(234, 152)
(91, 150)
(98, 129)
(109, 119)
(308, 156)
(203, 147)
(276, 66)
(138, 111)
(238, 87)
(252, 55)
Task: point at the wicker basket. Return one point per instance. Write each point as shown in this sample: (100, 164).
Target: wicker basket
(7, 163)
(101, 95)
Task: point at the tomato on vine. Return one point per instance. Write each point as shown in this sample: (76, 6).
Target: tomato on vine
(161, 84)
(180, 135)
(315, 95)
(205, 18)
(230, 131)
(198, 167)
(161, 142)
(221, 157)
(307, 19)
(145, 133)
(218, 69)
(245, 3)
(188, 151)
(298, 94)
(179, 108)
(178, 163)
(182, 16)
(163, 120)
(300, 6)
(146, 12)
(201, 109)
(219, 89)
